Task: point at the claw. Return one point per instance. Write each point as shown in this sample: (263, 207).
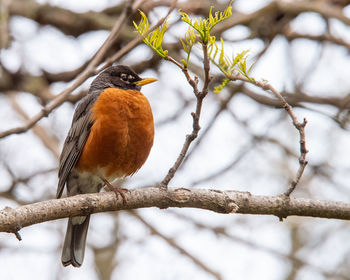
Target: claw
(116, 190)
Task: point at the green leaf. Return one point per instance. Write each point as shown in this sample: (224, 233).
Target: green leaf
(155, 38)
(220, 87)
(204, 26)
(227, 65)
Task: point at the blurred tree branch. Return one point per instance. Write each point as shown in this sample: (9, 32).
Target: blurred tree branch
(69, 22)
(172, 243)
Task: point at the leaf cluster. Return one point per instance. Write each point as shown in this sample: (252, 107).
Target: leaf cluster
(153, 39)
(228, 65)
(188, 42)
(204, 26)
(199, 32)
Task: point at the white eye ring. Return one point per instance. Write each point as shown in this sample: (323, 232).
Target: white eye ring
(124, 77)
(131, 77)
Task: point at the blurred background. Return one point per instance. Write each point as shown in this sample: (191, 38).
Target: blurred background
(247, 142)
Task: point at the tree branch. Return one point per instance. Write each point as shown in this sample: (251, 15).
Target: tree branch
(299, 126)
(12, 220)
(200, 95)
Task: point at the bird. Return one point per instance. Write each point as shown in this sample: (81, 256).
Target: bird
(110, 137)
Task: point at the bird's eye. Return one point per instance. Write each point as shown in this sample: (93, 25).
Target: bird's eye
(124, 77)
(131, 78)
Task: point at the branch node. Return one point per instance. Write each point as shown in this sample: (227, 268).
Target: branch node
(304, 122)
(196, 80)
(233, 207)
(190, 137)
(162, 186)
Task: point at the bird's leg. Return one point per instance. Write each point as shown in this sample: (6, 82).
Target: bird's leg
(114, 189)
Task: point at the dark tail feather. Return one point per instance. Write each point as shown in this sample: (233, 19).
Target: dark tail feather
(74, 243)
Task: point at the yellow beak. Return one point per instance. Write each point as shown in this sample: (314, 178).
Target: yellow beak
(145, 81)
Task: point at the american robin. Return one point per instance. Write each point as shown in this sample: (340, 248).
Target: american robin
(110, 137)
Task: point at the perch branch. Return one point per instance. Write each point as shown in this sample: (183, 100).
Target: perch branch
(12, 220)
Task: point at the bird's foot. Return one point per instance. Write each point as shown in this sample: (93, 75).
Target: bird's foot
(116, 190)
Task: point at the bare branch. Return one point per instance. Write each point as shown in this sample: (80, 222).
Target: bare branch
(200, 95)
(299, 126)
(12, 220)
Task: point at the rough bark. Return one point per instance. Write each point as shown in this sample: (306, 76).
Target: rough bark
(226, 202)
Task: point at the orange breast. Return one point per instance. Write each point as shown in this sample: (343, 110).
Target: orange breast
(121, 136)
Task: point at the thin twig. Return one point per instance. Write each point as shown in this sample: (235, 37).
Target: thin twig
(299, 126)
(200, 95)
(210, 124)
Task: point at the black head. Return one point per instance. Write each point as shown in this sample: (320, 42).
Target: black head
(119, 76)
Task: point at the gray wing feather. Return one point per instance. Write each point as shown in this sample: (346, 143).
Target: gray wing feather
(76, 138)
